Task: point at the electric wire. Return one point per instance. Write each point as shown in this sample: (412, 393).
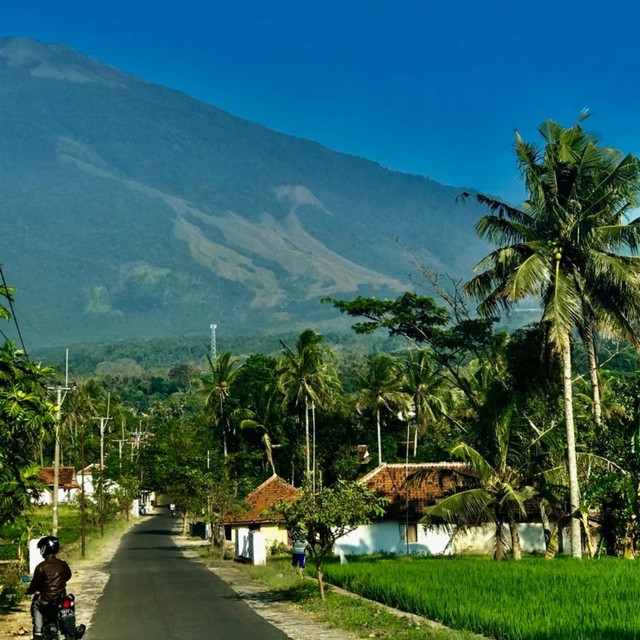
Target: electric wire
(13, 312)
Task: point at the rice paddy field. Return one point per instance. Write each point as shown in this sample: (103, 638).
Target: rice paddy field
(534, 599)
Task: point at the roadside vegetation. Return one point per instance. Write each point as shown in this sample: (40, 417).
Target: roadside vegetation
(545, 417)
(364, 619)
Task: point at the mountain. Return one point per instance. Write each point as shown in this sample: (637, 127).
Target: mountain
(130, 210)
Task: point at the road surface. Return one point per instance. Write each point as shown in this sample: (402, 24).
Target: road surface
(155, 592)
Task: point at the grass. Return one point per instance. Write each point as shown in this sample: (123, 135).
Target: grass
(357, 616)
(534, 599)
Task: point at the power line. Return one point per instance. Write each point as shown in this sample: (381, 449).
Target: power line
(13, 312)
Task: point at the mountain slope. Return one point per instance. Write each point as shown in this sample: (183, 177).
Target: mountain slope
(131, 210)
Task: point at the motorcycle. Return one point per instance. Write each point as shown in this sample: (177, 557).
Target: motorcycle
(59, 617)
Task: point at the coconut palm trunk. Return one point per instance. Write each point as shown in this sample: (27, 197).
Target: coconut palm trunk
(574, 488)
(594, 377)
(307, 444)
(379, 435)
(313, 445)
(516, 546)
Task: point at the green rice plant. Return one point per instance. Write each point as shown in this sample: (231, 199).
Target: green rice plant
(534, 599)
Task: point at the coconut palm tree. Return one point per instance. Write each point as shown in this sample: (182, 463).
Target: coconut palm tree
(382, 389)
(216, 386)
(265, 418)
(428, 388)
(307, 379)
(563, 248)
(501, 490)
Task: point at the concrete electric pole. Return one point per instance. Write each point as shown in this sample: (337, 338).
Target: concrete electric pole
(61, 392)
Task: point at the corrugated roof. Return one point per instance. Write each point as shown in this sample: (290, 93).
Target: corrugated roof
(270, 492)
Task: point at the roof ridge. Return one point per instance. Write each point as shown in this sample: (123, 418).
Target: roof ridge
(271, 478)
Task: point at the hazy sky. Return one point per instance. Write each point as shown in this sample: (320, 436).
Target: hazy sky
(435, 88)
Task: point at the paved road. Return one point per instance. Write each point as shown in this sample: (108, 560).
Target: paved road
(155, 592)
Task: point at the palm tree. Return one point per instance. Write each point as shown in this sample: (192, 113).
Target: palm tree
(502, 487)
(562, 248)
(78, 408)
(217, 386)
(307, 379)
(265, 417)
(428, 388)
(382, 390)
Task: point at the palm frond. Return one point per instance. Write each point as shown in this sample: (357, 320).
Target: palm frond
(464, 509)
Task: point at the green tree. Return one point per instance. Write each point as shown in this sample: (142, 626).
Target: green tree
(562, 248)
(7, 293)
(26, 415)
(265, 419)
(217, 386)
(382, 389)
(430, 391)
(323, 517)
(451, 339)
(307, 379)
(259, 412)
(502, 488)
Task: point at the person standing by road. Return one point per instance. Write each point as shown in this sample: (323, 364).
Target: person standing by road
(299, 556)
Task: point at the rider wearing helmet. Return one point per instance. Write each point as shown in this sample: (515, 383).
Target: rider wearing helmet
(49, 581)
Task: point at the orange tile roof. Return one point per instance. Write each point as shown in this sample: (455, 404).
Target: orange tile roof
(66, 477)
(263, 497)
(388, 481)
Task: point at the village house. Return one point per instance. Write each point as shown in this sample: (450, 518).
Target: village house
(68, 487)
(272, 529)
(400, 531)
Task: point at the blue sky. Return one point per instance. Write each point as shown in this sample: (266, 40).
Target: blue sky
(434, 88)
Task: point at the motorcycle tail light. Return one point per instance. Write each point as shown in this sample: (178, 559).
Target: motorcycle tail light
(67, 603)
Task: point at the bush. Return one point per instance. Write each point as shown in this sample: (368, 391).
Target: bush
(279, 549)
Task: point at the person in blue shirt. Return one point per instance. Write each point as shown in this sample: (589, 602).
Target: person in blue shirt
(299, 556)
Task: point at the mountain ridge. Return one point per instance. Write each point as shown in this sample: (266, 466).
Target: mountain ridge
(171, 213)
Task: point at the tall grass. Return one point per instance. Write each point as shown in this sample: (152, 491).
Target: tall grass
(534, 599)
(40, 523)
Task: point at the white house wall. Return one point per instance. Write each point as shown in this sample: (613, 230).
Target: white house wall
(478, 539)
(385, 537)
(65, 496)
(273, 535)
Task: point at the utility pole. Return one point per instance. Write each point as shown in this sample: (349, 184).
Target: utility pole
(214, 355)
(103, 424)
(61, 393)
(121, 442)
(83, 515)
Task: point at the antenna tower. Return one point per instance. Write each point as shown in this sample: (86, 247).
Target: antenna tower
(213, 328)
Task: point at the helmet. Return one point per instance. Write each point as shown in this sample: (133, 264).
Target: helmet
(48, 545)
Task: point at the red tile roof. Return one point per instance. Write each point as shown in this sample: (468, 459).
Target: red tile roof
(388, 481)
(66, 477)
(263, 497)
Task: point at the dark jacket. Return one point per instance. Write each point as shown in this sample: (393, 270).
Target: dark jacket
(50, 578)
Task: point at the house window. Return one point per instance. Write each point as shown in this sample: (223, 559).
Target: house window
(409, 532)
